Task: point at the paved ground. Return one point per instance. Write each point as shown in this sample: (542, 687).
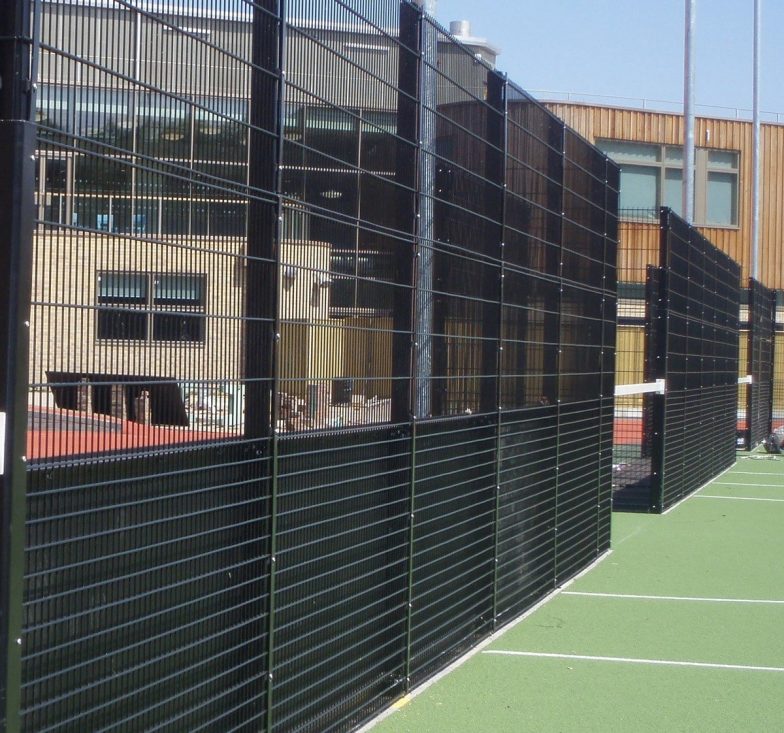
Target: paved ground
(681, 628)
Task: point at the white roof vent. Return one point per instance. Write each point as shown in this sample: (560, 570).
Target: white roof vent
(460, 28)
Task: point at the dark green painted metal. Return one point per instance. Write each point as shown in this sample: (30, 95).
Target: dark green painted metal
(410, 556)
(17, 143)
(17, 148)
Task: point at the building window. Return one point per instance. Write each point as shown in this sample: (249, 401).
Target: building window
(161, 307)
(652, 176)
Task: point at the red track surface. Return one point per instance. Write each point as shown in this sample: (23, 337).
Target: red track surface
(53, 433)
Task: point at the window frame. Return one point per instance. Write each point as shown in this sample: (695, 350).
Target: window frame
(155, 313)
(702, 171)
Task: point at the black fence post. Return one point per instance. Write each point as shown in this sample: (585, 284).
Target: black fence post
(608, 355)
(406, 174)
(659, 329)
(552, 328)
(497, 137)
(264, 258)
(759, 394)
(264, 219)
(17, 154)
(405, 396)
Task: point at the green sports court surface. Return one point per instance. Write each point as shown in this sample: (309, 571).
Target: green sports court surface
(680, 628)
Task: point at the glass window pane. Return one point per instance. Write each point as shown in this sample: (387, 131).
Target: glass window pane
(632, 152)
(673, 190)
(673, 155)
(122, 324)
(722, 159)
(179, 290)
(122, 287)
(56, 174)
(722, 206)
(177, 327)
(639, 187)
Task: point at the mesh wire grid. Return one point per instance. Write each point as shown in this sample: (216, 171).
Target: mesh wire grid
(321, 363)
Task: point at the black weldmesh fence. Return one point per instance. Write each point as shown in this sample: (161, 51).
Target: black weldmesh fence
(777, 414)
(699, 346)
(636, 362)
(678, 325)
(321, 364)
(759, 394)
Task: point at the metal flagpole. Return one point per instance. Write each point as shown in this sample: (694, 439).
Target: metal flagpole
(755, 233)
(688, 113)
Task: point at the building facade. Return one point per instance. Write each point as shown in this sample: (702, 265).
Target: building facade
(143, 164)
(648, 146)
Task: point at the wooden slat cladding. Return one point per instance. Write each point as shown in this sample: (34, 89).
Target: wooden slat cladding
(656, 127)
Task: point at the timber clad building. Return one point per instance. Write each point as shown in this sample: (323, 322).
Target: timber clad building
(649, 148)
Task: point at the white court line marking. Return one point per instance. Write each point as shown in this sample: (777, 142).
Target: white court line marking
(631, 660)
(481, 645)
(729, 483)
(695, 599)
(699, 488)
(735, 498)
(757, 473)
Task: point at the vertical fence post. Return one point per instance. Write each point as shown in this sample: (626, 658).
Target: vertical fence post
(426, 403)
(264, 219)
(608, 361)
(553, 315)
(265, 229)
(279, 107)
(411, 547)
(660, 330)
(406, 404)
(497, 130)
(751, 362)
(17, 151)
(406, 175)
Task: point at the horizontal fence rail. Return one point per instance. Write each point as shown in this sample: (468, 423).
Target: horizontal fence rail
(321, 363)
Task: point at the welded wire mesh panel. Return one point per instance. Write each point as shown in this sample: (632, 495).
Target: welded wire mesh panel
(144, 594)
(609, 358)
(144, 215)
(759, 403)
(453, 540)
(636, 362)
(702, 299)
(527, 509)
(458, 271)
(530, 323)
(530, 327)
(152, 317)
(586, 304)
(558, 316)
(341, 577)
(777, 418)
(321, 362)
(348, 181)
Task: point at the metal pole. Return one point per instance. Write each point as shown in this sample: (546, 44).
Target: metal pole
(755, 233)
(688, 113)
(17, 161)
(423, 327)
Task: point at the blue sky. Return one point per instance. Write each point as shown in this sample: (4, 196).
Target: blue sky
(631, 48)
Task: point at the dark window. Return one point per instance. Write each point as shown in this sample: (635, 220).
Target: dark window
(126, 293)
(161, 307)
(360, 280)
